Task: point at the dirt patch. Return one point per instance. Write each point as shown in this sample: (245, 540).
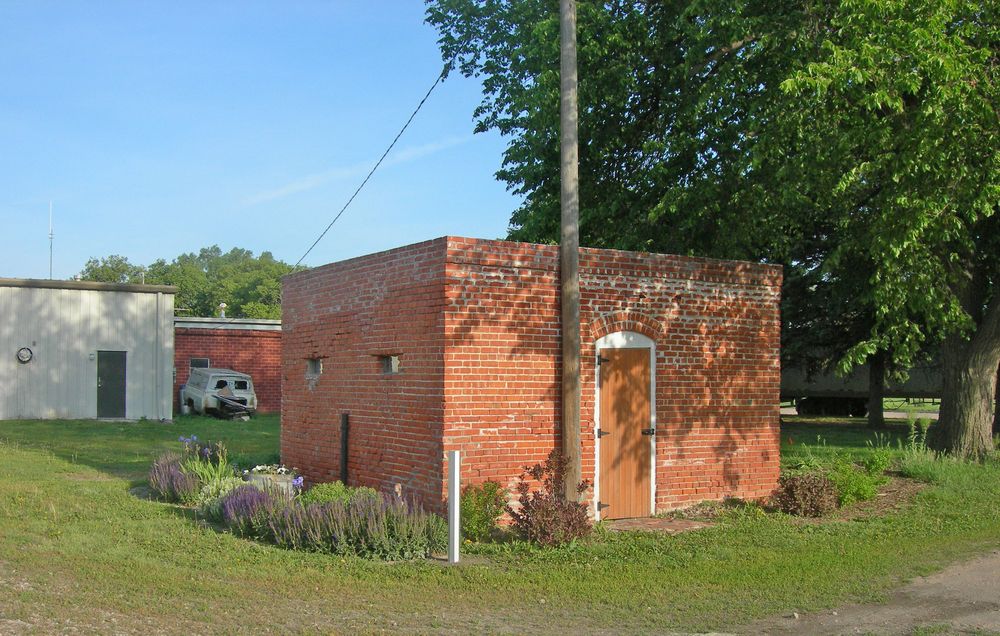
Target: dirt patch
(896, 494)
(143, 492)
(961, 599)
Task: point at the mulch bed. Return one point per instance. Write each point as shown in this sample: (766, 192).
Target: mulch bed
(894, 495)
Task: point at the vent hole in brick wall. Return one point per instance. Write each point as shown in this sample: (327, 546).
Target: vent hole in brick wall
(389, 364)
(314, 367)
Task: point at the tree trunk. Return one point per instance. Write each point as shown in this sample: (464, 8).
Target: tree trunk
(876, 389)
(969, 371)
(996, 407)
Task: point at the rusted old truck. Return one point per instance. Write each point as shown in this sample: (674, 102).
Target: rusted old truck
(220, 392)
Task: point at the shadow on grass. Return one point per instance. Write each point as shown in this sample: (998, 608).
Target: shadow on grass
(126, 449)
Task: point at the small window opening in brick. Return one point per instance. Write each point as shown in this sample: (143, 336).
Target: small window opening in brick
(314, 367)
(389, 363)
(200, 363)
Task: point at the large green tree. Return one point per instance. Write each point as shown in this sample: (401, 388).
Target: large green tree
(902, 110)
(855, 141)
(249, 285)
(113, 269)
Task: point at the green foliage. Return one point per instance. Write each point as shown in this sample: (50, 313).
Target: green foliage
(878, 460)
(209, 498)
(113, 269)
(808, 459)
(369, 525)
(481, 508)
(334, 491)
(805, 494)
(208, 462)
(68, 483)
(916, 438)
(250, 286)
(853, 483)
(852, 141)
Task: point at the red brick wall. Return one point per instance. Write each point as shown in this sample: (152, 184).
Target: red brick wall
(478, 325)
(248, 351)
(348, 314)
(716, 327)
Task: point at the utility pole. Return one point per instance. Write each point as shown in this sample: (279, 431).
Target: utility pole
(569, 246)
(51, 236)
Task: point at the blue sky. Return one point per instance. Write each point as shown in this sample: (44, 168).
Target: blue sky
(157, 128)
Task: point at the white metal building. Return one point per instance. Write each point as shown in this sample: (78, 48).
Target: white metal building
(71, 349)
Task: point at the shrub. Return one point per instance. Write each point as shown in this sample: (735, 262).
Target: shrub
(332, 491)
(368, 525)
(880, 456)
(853, 484)
(809, 494)
(240, 507)
(208, 462)
(170, 482)
(481, 507)
(545, 516)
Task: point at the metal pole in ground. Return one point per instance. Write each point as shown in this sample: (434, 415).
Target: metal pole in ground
(454, 494)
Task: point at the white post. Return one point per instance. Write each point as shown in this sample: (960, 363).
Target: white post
(454, 493)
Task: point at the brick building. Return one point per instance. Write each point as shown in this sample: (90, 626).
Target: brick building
(453, 344)
(247, 345)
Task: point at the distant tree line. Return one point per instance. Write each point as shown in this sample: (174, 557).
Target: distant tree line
(249, 285)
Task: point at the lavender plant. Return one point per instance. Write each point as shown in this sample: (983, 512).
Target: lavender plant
(369, 525)
(239, 508)
(170, 481)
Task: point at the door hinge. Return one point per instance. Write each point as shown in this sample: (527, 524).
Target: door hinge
(602, 506)
(601, 359)
(649, 431)
(601, 433)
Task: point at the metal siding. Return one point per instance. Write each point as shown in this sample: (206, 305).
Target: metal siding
(67, 327)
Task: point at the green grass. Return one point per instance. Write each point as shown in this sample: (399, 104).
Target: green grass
(824, 438)
(125, 449)
(79, 553)
(917, 407)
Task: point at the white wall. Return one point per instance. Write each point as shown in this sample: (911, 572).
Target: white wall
(65, 328)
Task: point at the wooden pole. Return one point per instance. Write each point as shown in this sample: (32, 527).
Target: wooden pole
(569, 247)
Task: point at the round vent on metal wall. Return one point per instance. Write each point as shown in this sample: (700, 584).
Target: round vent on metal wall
(24, 355)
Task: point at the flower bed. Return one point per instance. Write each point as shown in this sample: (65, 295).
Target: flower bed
(264, 504)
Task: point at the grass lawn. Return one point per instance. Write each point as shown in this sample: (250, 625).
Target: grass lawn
(917, 407)
(78, 552)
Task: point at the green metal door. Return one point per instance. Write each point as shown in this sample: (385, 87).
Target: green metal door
(111, 384)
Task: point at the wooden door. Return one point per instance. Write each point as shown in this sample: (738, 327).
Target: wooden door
(625, 429)
(111, 384)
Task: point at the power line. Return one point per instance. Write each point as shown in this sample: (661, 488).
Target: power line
(437, 81)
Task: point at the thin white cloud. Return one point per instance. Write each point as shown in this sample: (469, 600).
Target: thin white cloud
(357, 170)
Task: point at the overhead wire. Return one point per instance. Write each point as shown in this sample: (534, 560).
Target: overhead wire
(441, 76)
